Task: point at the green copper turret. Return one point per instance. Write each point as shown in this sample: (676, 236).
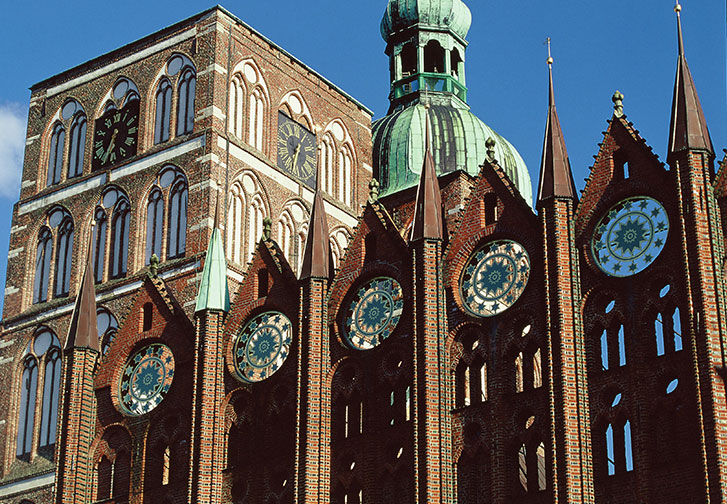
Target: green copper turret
(426, 47)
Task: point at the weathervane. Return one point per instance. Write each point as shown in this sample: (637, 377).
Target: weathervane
(550, 58)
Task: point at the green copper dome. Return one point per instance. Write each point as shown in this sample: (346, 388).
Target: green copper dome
(458, 142)
(451, 15)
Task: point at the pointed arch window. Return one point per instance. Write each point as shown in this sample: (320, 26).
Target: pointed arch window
(328, 155)
(119, 238)
(185, 103)
(286, 229)
(64, 254)
(104, 469)
(345, 167)
(619, 450)
(55, 158)
(51, 389)
(26, 417)
(255, 225)
(42, 265)
(177, 239)
(235, 223)
(154, 224)
(237, 105)
(106, 327)
(519, 373)
(77, 146)
(612, 344)
(257, 118)
(99, 240)
(163, 111)
(668, 332)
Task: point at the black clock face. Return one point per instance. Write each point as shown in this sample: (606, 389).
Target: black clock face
(116, 134)
(296, 150)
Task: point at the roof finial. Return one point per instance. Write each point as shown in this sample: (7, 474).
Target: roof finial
(618, 103)
(678, 10)
(267, 228)
(154, 266)
(373, 191)
(550, 57)
(490, 144)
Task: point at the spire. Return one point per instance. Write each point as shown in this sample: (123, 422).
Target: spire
(214, 293)
(556, 178)
(688, 126)
(316, 257)
(428, 210)
(83, 332)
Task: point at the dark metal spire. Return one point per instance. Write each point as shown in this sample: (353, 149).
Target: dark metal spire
(688, 125)
(428, 211)
(316, 258)
(83, 332)
(556, 178)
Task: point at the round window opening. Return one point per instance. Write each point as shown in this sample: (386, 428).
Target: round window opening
(630, 237)
(495, 278)
(373, 313)
(147, 378)
(262, 346)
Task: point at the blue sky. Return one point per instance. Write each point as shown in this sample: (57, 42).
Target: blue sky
(598, 47)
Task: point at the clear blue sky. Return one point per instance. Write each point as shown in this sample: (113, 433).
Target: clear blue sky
(598, 47)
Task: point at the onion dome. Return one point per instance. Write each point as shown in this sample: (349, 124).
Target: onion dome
(458, 143)
(450, 15)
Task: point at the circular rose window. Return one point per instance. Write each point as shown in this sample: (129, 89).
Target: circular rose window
(495, 277)
(147, 378)
(262, 346)
(630, 236)
(373, 313)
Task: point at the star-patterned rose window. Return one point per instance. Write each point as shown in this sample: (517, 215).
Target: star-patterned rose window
(262, 346)
(147, 378)
(494, 278)
(373, 313)
(630, 236)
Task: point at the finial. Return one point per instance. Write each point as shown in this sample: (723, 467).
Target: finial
(267, 228)
(490, 144)
(154, 266)
(550, 57)
(618, 104)
(678, 8)
(373, 191)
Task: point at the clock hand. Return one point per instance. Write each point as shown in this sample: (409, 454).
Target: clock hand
(111, 146)
(295, 156)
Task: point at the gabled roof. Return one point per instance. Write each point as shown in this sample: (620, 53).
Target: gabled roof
(688, 126)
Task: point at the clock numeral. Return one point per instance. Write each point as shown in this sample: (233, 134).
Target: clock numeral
(129, 141)
(101, 133)
(108, 123)
(122, 152)
(99, 153)
(133, 130)
(117, 117)
(125, 116)
(112, 158)
(99, 144)
(131, 121)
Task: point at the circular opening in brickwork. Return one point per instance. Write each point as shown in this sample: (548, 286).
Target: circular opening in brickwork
(55, 218)
(42, 343)
(69, 109)
(120, 89)
(174, 65)
(672, 386)
(529, 422)
(664, 290)
(616, 400)
(400, 452)
(109, 199)
(526, 330)
(472, 432)
(610, 306)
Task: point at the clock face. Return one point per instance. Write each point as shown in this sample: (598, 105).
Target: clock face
(262, 346)
(495, 277)
(147, 379)
(373, 313)
(116, 134)
(296, 150)
(630, 236)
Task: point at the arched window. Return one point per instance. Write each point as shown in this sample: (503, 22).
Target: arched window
(286, 229)
(522, 464)
(345, 167)
(121, 474)
(519, 373)
(490, 202)
(177, 238)
(257, 118)
(104, 469)
(537, 370)
(328, 155)
(185, 103)
(408, 60)
(235, 223)
(26, 417)
(42, 265)
(55, 158)
(255, 225)
(613, 347)
(668, 331)
(237, 105)
(64, 254)
(471, 373)
(106, 326)
(163, 111)
(154, 224)
(119, 238)
(99, 240)
(619, 454)
(433, 57)
(51, 389)
(77, 146)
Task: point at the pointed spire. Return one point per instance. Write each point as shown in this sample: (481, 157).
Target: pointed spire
(688, 125)
(428, 210)
(83, 332)
(316, 257)
(214, 293)
(556, 178)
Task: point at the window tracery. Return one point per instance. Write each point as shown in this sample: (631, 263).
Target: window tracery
(56, 233)
(471, 372)
(170, 190)
(69, 147)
